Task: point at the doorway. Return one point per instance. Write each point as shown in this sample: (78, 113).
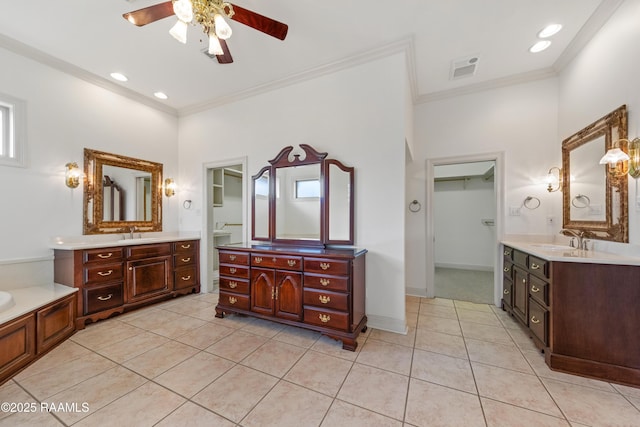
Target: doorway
(225, 220)
(464, 196)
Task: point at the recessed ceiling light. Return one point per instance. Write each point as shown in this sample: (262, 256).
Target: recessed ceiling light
(549, 30)
(119, 76)
(160, 95)
(540, 46)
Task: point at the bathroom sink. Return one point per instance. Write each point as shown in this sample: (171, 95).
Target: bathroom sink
(6, 301)
(552, 247)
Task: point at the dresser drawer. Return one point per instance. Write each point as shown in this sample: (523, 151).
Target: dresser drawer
(328, 318)
(234, 270)
(237, 258)
(539, 267)
(103, 273)
(333, 300)
(326, 266)
(539, 290)
(180, 260)
(98, 298)
(276, 261)
(240, 286)
(102, 255)
(185, 277)
(230, 299)
(149, 251)
(538, 318)
(332, 283)
(184, 247)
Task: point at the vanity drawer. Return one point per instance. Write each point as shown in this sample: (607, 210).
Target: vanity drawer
(234, 270)
(102, 255)
(149, 251)
(507, 253)
(180, 260)
(507, 293)
(521, 258)
(184, 247)
(332, 283)
(538, 319)
(326, 266)
(539, 290)
(185, 277)
(98, 298)
(103, 273)
(277, 261)
(235, 285)
(230, 299)
(539, 267)
(507, 270)
(328, 318)
(333, 300)
(233, 258)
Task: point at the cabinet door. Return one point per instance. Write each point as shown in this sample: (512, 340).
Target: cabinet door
(148, 278)
(17, 345)
(288, 295)
(262, 290)
(520, 294)
(55, 323)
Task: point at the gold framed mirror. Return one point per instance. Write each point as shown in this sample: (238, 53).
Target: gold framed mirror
(121, 192)
(593, 201)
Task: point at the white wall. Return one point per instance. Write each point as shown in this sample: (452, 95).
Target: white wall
(357, 116)
(65, 115)
(520, 121)
(603, 77)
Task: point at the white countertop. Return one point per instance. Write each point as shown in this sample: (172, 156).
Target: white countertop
(559, 252)
(29, 299)
(113, 240)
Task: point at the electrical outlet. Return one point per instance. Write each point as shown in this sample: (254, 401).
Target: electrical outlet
(514, 210)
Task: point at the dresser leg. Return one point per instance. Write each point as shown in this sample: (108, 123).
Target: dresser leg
(219, 313)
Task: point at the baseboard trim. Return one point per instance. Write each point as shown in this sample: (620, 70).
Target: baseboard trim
(464, 266)
(416, 292)
(388, 324)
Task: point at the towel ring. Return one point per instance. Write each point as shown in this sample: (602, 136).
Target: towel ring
(531, 205)
(585, 204)
(186, 204)
(415, 206)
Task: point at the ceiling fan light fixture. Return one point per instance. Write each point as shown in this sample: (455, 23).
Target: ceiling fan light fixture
(223, 30)
(183, 10)
(214, 45)
(179, 31)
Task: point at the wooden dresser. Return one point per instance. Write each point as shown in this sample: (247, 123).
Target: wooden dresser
(320, 289)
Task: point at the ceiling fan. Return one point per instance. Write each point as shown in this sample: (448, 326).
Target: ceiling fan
(210, 15)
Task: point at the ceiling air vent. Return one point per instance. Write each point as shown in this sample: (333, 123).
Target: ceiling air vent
(463, 67)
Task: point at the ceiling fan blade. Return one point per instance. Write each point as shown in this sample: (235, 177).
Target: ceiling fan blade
(226, 57)
(149, 14)
(259, 22)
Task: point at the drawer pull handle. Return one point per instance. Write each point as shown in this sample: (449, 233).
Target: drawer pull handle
(257, 260)
(233, 300)
(534, 266)
(325, 265)
(105, 298)
(291, 262)
(534, 289)
(185, 246)
(232, 270)
(324, 318)
(233, 284)
(186, 278)
(506, 269)
(325, 282)
(103, 274)
(534, 320)
(186, 259)
(506, 292)
(232, 257)
(505, 253)
(324, 299)
(109, 255)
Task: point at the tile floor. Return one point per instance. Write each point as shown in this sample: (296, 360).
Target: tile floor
(175, 364)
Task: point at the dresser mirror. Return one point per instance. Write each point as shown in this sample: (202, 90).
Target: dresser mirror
(594, 202)
(120, 193)
(303, 198)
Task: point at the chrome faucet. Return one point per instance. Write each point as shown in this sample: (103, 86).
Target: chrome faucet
(582, 243)
(131, 231)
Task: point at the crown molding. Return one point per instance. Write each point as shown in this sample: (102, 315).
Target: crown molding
(39, 56)
(404, 45)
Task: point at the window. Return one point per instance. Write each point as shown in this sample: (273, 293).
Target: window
(307, 189)
(12, 131)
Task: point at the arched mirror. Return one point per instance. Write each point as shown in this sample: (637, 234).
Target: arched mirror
(121, 192)
(308, 199)
(595, 202)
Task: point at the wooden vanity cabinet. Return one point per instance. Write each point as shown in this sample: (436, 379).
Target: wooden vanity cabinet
(116, 279)
(317, 289)
(507, 279)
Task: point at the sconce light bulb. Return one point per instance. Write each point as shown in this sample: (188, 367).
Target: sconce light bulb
(72, 175)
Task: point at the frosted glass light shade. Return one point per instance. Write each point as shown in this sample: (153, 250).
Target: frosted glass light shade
(614, 156)
(223, 30)
(179, 31)
(183, 10)
(214, 46)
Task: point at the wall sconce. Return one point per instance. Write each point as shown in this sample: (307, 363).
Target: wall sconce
(634, 158)
(169, 187)
(72, 175)
(554, 182)
(617, 159)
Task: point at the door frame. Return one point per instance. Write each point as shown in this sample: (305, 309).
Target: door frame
(206, 242)
(499, 187)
